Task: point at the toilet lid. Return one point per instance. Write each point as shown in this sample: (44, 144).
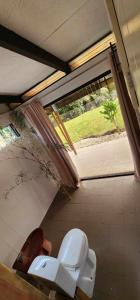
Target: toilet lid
(73, 248)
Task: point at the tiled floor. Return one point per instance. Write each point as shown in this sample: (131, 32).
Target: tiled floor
(108, 210)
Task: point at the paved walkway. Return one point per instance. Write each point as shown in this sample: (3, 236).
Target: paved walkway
(106, 158)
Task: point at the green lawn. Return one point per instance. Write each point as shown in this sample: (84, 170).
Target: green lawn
(90, 123)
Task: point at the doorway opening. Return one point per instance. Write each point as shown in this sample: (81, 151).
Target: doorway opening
(90, 124)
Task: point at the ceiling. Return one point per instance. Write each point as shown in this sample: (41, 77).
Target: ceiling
(62, 27)
(19, 73)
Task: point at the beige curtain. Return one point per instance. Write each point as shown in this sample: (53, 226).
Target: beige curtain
(39, 120)
(128, 112)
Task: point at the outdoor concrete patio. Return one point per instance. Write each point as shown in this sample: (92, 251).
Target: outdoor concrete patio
(105, 158)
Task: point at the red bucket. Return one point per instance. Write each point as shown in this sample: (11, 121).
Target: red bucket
(35, 245)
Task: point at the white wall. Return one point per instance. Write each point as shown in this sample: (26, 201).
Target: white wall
(128, 13)
(25, 191)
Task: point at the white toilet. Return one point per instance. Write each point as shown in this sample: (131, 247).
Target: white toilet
(74, 267)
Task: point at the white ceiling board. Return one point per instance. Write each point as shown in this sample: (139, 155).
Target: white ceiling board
(18, 73)
(37, 20)
(86, 27)
(63, 27)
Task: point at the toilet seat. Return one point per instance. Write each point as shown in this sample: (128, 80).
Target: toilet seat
(73, 248)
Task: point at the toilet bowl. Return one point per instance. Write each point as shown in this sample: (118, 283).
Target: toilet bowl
(74, 267)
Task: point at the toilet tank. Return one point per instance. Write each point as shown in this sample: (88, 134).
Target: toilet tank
(74, 249)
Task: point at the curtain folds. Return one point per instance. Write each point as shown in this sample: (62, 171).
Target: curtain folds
(39, 120)
(128, 112)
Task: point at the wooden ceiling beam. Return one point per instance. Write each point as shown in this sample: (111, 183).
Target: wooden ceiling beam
(7, 99)
(14, 42)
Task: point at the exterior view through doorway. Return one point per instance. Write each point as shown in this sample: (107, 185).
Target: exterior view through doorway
(90, 124)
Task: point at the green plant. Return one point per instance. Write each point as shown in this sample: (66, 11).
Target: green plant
(89, 124)
(110, 112)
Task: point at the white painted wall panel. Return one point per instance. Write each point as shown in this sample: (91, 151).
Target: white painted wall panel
(128, 13)
(25, 191)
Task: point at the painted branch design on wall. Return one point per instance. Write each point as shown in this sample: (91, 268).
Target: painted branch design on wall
(32, 160)
(45, 166)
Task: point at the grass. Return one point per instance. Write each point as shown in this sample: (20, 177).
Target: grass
(90, 123)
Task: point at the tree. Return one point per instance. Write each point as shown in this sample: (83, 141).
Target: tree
(110, 112)
(71, 110)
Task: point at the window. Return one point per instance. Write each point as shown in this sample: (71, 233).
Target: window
(7, 135)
